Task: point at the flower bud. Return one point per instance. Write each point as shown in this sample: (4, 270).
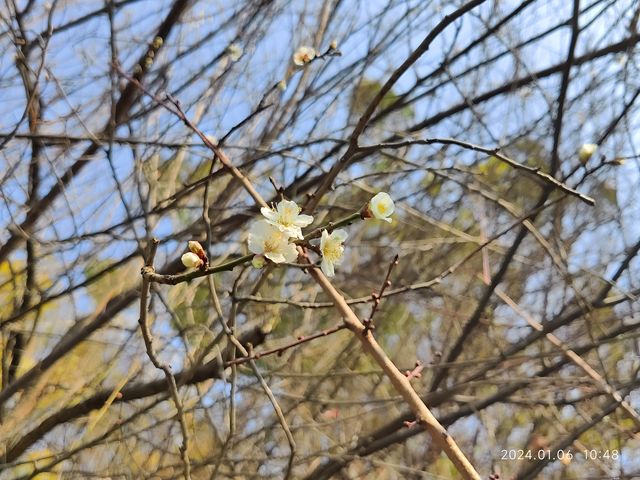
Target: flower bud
(196, 248)
(235, 52)
(304, 55)
(586, 152)
(191, 260)
(258, 261)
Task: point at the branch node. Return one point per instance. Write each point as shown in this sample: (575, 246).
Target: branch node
(409, 424)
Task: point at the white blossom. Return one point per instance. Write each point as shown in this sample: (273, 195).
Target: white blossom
(303, 55)
(191, 260)
(332, 250)
(265, 239)
(586, 151)
(286, 218)
(382, 207)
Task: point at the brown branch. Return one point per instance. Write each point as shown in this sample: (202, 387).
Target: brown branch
(70, 340)
(396, 431)
(510, 86)
(536, 467)
(151, 276)
(573, 357)
(533, 171)
(415, 55)
(399, 381)
(54, 139)
(248, 352)
(564, 86)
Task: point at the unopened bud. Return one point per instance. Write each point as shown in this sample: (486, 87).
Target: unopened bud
(586, 152)
(191, 260)
(258, 261)
(196, 248)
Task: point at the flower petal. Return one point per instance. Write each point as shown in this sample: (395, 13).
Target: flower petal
(292, 231)
(287, 205)
(261, 228)
(327, 268)
(269, 214)
(381, 206)
(275, 257)
(323, 239)
(260, 231)
(304, 220)
(339, 235)
(290, 253)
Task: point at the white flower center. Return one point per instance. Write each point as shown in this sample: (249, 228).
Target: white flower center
(271, 243)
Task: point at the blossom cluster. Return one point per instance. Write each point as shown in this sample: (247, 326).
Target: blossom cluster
(269, 237)
(273, 237)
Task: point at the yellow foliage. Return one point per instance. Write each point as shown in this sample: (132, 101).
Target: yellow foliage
(35, 460)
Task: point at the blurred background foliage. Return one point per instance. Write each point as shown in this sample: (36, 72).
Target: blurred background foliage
(88, 178)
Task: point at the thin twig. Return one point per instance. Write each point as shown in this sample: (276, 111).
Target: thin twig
(279, 414)
(368, 322)
(564, 87)
(248, 353)
(177, 110)
(495, 151)
(280, 350)
(573, 357)
(416, 372)
(148, 343)
(352, 149)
